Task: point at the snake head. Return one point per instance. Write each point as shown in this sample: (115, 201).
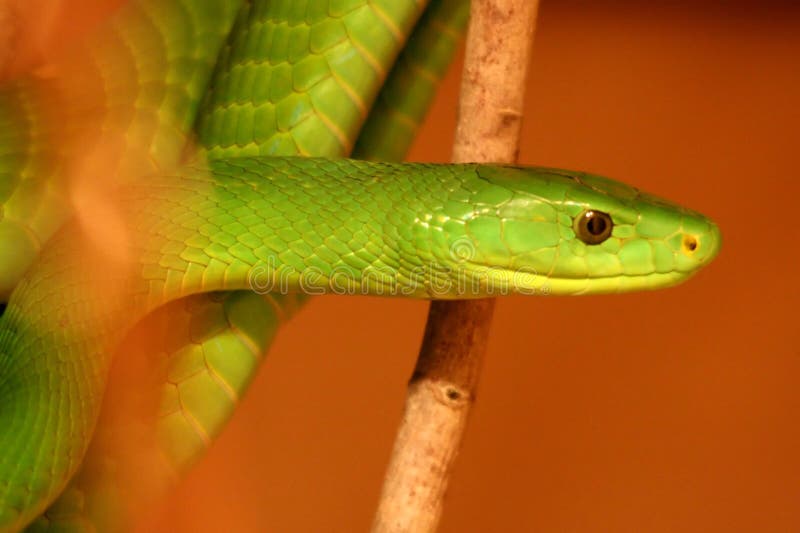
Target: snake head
(539, 230)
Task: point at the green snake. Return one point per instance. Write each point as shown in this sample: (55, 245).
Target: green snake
(113, 221)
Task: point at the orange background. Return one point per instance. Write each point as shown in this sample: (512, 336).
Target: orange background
(667, 411)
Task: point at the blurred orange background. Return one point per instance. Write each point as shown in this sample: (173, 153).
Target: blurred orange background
(666, 411)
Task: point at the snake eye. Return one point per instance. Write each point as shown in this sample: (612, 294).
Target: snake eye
(593, 227)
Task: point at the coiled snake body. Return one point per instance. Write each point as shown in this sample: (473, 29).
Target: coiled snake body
(111, 218)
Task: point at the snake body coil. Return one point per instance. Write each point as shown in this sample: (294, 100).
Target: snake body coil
(174, 234)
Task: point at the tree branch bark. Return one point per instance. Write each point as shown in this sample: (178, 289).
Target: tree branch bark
(442, 388)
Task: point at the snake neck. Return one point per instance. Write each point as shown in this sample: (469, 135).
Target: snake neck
(303, 225)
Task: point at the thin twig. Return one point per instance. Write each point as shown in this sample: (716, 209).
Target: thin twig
(443, 385)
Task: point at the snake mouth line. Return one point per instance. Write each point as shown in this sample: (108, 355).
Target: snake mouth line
(531, 283)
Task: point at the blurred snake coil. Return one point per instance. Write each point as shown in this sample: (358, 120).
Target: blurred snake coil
(173, 186)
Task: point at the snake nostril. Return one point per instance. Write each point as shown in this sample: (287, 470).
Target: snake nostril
(689, 243)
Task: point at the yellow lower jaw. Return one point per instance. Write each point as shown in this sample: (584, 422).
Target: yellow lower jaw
(499, 282)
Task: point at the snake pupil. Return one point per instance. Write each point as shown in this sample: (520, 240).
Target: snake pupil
(593, 227)
(596, 226)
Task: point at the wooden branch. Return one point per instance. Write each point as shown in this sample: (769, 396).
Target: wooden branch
(442, 388)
